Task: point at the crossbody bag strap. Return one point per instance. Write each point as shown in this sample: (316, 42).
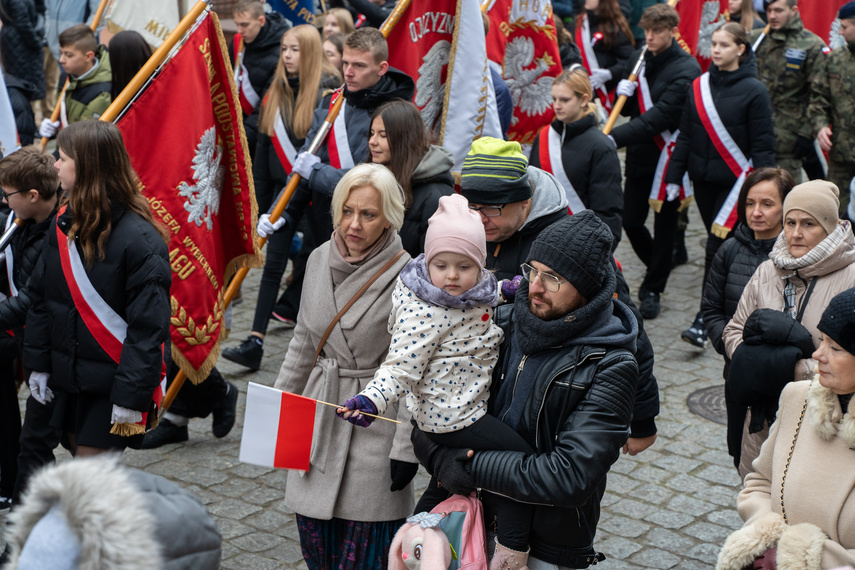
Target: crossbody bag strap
(805, 299)
(353, 299)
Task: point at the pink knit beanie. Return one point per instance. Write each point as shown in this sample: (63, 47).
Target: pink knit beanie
(454, 228)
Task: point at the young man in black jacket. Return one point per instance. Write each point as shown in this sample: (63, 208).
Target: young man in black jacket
(29, 183)
(565, 381)
(668, 73)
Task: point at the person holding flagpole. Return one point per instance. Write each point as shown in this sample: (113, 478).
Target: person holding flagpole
(726, 132)
(302, 76)
(100, 298)
(606, 41)
(581, 157)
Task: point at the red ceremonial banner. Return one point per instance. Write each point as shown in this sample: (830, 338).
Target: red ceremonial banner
(821, 19)
(185, 137)
(523, 40)
(698, 21)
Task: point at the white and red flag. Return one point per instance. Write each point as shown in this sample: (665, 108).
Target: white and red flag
(698, 21)
(523, 41)
(277, 428)
(821, 19)
(441, 45)
(9, 141)
(185, 137)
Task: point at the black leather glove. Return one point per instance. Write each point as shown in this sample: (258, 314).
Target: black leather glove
(803, 148)
(423, 448)
(402, 473)
(453, 469)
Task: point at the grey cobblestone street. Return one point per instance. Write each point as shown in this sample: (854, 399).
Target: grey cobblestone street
(670, 507)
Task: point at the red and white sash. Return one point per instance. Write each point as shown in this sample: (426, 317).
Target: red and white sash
(549, 153)
(338, 146)
(107, 327)
(589, 60)
(248, 97)
(726, 147)
(666, 141)
(282, 143)
(10, 261)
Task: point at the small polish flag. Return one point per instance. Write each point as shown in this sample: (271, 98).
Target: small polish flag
(277, 428)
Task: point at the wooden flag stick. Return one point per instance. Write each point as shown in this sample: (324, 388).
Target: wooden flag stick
(282, 203)
(621, 101)
(363, 413)
(96, 19)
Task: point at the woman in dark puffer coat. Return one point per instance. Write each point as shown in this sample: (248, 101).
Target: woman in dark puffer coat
(742, 103)
(760, 211)
(21, 43)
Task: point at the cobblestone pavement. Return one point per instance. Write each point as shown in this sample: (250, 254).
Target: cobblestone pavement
(670, 507)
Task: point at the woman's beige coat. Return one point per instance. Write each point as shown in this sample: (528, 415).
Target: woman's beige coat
(818, 490)
(349, 475)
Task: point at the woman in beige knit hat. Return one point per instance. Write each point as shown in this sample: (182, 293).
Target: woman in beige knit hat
(812, 261)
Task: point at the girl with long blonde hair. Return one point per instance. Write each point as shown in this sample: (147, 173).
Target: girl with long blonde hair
(302, 76)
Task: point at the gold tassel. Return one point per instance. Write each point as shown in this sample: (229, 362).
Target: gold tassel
(720, 231)
(127, 430)
(655, 204)
(686, 202)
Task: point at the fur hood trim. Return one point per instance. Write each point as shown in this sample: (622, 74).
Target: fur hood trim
(800, 548)
(744, 545)
(826, 416)
(103, 508)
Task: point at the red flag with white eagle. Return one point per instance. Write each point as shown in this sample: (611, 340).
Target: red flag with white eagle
(185, 138)
(523, 40)
(821, 19)
(698, 21)
(440, 44)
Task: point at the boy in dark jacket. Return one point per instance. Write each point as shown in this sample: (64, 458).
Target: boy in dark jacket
(89, 79)
(668, 71)
(29, 184)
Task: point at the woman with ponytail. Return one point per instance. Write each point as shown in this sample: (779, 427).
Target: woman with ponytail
(302, 75)
(581, 157)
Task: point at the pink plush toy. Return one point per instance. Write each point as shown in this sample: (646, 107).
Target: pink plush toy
(420, 545)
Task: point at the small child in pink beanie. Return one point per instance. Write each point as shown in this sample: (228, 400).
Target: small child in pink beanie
(443, 351)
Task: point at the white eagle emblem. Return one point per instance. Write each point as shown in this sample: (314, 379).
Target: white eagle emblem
(203, 199)
(709, 22)
(835, 38)
(531, 93)
(430, 90)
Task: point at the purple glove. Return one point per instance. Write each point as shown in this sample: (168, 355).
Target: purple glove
(510, 286)
(358, 404)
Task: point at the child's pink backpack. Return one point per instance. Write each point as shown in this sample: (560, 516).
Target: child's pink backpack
(464, 527)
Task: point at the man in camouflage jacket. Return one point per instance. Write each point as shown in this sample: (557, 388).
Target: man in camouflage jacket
(789, 61)
(833, 107)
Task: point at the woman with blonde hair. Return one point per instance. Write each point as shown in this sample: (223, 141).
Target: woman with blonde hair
(337, 20)
(302, 75)
(358, 490)
(581, 157)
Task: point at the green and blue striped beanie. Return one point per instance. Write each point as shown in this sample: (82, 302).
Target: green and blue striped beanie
(494, 172)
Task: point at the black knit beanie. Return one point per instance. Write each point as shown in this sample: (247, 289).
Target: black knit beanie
(838, 320)
(577, 248)
(495, 172)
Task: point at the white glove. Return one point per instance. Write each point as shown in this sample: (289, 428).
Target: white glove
(122, 415)
(48, 128)
(672, 191)
(303, 164)
(38, 387)
(266, 228)
(625, 87)
(612, 139)
(600, 77)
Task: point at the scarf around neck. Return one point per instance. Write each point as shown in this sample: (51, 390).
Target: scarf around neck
(416, 277)
(782, 258)
(343, 264)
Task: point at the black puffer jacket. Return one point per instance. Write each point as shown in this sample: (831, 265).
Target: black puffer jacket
(577, 417)
(431, 180)
(20, 94)
(134, 280)
(732, 267)
(267, 170)
(615, 56)
(593, 168)
(319, 188)
(743, 105)
(669, 75)
(21, 44)
(27, 247)
(260, 59)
